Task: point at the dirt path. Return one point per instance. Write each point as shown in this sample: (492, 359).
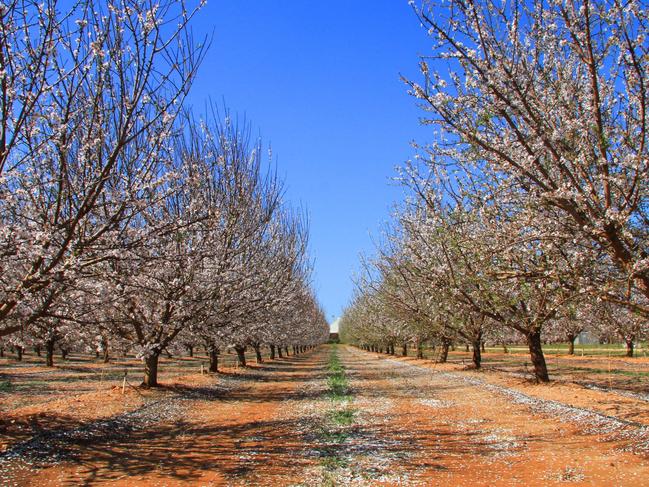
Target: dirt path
(272, 425)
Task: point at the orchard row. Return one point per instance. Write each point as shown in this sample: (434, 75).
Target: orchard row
(127, 221)
(528, 216)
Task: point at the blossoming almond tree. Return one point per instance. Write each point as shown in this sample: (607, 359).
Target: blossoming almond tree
(87, 101)
(554, 97)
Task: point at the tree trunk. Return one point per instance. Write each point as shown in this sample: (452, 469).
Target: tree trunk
(279, 352)
(19, 353)
(214, 359)
(151, 370)
(2, 352)
(49, 352)
(629, 347)
(105, 348)
(272, 351)
(37, 350)
(404, 350)
(241, 355)
(258, 356)
(443, 355)
(190, 349)
(483, 346)
(536, 355)
(64, 353)
(477, 356)
(286, 351)
(505, 349)
(420, 350)
(571, 344)
(466, 347)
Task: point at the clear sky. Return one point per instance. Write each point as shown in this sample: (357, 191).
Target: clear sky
(320, 82)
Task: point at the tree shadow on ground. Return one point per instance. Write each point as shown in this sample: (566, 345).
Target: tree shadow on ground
(272, 448)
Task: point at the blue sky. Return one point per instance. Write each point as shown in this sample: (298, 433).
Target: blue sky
(320, 82)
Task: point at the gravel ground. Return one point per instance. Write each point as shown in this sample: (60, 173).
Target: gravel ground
(590, 421)
(620, 392)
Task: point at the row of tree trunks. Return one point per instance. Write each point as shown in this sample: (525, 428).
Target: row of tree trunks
(49, 352)
(151, 362)
(478, 346)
